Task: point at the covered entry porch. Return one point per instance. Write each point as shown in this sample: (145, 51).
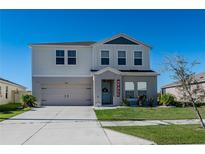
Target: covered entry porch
(107, 89)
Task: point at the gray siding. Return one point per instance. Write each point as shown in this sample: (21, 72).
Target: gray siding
(151, 84)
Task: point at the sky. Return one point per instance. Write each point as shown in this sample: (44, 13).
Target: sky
(169, 32)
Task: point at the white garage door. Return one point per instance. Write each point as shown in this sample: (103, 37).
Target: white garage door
(66, 95)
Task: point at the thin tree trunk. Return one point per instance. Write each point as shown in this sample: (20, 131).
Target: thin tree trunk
(197, 111)
(199, 115)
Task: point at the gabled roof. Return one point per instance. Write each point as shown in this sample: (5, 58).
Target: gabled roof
(199, 77)
(116, 39)
(1, 79)
(113, 70)
(129, 39)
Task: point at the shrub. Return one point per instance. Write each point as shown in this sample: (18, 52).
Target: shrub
(10, 107)
(166, 99)
(150, 102)
(141, 101)
(187, 104)
(125, 102)
(29, 100)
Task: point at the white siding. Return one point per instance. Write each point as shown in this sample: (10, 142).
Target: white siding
(113, 49)
(44, 62)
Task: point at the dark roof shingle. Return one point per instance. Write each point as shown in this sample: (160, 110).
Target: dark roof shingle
(87, 43)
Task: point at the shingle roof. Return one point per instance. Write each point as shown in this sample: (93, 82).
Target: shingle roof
(199, 77)
(87, 43)
(1, 79)
(129, 70)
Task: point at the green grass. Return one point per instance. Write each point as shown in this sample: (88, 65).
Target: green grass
(10, 110)
(141, 113)
(166, 134)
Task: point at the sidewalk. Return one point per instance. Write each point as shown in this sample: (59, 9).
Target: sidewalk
(150, 122)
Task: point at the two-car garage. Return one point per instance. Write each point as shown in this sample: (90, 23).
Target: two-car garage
(66, 91)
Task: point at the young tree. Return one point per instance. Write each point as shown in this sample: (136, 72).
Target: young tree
(188, 85)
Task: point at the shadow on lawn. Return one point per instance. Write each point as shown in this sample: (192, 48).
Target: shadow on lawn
(6, 112)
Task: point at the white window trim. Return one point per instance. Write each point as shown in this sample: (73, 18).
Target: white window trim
(105, 57)
(122, 57)
(137, 89)
(72, 57)
(60, 57)
(134, 58)
(129, 90)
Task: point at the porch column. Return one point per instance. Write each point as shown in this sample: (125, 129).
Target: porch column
(97, 96)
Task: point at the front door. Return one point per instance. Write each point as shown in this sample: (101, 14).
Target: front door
(106, 92)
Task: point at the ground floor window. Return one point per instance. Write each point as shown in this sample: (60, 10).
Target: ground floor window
(0, 92)
(6, 94)
(142, 88)
(129, 89)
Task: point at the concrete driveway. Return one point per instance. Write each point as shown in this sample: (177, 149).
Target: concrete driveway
(60, 125)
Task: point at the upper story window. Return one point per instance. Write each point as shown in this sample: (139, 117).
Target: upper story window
(71, 57)
(121, 57)
(7, 91)
(59, 57)
(105, 57)
(138, 58)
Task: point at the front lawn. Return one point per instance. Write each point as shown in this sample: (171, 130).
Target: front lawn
(166, 134)
(142, 113)
(10, 110)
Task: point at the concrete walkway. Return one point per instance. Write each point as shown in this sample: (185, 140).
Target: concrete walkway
(61, 126)
(150, 122)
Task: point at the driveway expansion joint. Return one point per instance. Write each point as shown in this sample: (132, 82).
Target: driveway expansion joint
(41, 128)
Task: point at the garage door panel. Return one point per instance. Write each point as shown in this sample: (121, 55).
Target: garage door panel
(66, 95)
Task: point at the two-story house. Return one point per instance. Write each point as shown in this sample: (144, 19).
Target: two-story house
(92, 73)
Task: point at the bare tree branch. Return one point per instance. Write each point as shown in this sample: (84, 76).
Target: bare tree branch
(189, 87)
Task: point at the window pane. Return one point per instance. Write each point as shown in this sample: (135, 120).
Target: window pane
(104, 61)
(129, 85)
(6, 94)
(71, 53)
(71, 61)
(59, 60)
(142, 86)
(121, 54)
(121, 61)
(141, 93)
(138, 61)
(138, 54)
(60, 53)
(129, 94)
(105, 54)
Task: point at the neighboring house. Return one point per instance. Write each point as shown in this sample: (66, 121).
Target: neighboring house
(92, 73)
(10, 91)
(174, 90)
